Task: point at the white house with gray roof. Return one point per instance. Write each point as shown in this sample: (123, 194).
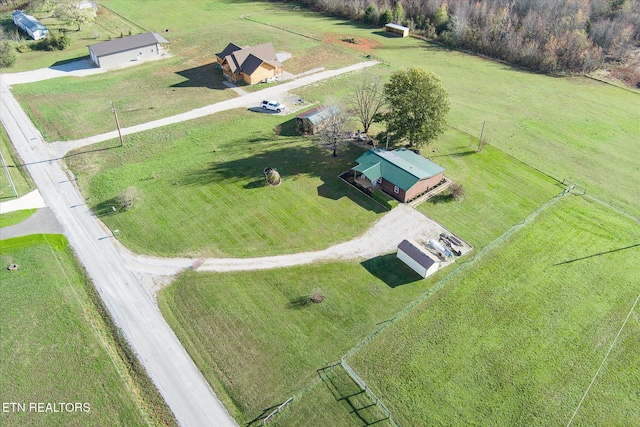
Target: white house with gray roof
(29, 25)
(119, 52)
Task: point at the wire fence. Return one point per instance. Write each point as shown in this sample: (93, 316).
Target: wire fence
(249, 18)
(279, 409)
(355, 377)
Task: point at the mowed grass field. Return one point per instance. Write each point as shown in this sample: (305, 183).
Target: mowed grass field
(19, 176)
(517, 338)
(15, 217)
(258, 340)
(499, 190)
(73, 108)
(203, 191)
(55, 345)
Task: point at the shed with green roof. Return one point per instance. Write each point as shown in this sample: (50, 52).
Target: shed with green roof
(401, 173)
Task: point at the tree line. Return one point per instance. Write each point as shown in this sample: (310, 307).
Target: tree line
(553, 36)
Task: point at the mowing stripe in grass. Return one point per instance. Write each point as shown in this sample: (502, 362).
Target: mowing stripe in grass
(96, 331)
(439, 285)
(593, 380)
(463, 267)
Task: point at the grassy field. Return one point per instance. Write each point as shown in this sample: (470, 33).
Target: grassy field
(518, 337)
(15, 217)
(274, 338)
(203, 190)
(72, 108)
(19, 176)
(56, 346)
(499, 190)
(108, 25)
(570, 128)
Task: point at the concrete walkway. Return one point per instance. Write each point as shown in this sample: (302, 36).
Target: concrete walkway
(43, 221)
(32, 200)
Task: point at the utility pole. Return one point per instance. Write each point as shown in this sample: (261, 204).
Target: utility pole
(481, 134)
(113, 108)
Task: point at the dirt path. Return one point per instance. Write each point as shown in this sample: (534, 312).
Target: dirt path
(403, 222)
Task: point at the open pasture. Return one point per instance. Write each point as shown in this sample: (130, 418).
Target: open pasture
(55, 345)
(258, 339)
(517, 338)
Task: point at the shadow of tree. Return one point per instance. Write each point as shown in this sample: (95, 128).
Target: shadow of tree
(391, 270)
(445, 197)
(299, 303)
(291, 162)
(106, 207)
(207, 75)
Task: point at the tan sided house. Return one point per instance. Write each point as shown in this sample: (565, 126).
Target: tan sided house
(118, 52)
(401, 173)
(249, 64)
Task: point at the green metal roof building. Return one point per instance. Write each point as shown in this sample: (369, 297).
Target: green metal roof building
(401, 173)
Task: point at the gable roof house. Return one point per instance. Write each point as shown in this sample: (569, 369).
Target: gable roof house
(249, 64)
(310, 121)
(29, 24)
(401, 173)
(113, 53)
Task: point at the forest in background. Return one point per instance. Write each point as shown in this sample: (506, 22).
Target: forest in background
(552, 36)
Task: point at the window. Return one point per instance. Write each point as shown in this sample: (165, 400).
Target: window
(396, 189)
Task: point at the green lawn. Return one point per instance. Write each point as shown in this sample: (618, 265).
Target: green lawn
(15, 217)
(56, 346)
(570, 128)
(518, 337)
(72, 108)
(258, 340)
(499, 190)
(203, 190)
(108, 25)
(20, 177)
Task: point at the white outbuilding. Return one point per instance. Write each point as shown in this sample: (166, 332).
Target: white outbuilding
(29, 25)
(418, 257)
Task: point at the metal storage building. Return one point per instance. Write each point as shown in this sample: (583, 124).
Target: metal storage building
(114, 53)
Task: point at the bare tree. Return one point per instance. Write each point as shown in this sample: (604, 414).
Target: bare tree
(68, 11)
(367, 100)
(331, 130)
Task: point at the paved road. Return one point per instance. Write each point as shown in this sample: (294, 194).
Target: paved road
(28, 201)
(133, 309)
(43, 221)
(181, 384)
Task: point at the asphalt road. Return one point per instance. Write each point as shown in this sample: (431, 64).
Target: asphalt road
(179, 381)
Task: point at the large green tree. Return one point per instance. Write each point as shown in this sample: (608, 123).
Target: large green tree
(418, 106)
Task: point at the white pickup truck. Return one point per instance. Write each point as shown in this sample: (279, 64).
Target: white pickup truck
(272, 105)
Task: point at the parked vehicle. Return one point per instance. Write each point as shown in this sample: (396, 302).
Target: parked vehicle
(272, 106)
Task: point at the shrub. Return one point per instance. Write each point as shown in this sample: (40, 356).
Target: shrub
(7, 55)
(385, 18)
(316, 296)
(128, 198)
(55, 40)
(371, 15)
(456, 191)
